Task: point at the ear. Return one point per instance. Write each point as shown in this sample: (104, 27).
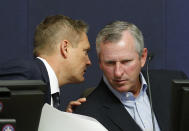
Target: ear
(143, 57)
(64, 45)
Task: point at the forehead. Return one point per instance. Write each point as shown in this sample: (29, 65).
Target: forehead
(119, 50)
(84, 42)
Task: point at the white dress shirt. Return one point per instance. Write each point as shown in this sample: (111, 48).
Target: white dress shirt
(54, 86)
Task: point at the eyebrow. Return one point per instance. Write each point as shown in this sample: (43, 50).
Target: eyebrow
(109, 61)
(117, 61)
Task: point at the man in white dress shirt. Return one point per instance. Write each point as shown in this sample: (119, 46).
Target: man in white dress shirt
(61, 56)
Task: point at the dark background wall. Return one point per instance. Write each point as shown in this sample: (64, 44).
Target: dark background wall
(164, 24)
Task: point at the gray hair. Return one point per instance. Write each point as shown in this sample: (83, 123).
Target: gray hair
(113, 33)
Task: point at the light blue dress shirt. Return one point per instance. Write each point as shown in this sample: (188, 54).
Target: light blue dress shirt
(138, 107)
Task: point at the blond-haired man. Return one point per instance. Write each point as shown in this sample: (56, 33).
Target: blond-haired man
(61, 56)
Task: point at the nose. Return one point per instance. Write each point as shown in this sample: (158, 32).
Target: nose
(88, 61)
(118, 71)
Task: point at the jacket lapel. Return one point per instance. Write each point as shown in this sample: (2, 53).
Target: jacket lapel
(121, 118)
(115, 110)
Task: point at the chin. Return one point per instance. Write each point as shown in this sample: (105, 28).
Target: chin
(79, 80)
(122, 89)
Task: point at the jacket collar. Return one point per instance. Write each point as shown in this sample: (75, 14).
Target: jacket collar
(114, 109)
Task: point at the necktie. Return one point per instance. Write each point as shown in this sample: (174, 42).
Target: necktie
(56, 100)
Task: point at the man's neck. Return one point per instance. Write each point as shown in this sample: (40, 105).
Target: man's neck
(137, 88)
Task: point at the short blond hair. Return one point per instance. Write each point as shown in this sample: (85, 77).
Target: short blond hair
(53, 29)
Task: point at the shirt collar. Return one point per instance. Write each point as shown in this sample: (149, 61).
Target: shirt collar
(127, 95)
(52, 77)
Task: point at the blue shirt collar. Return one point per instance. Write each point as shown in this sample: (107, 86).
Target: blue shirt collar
(122, 96)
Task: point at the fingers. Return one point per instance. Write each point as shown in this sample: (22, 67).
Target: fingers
(72, 104)
(82, 100)
(69, 110)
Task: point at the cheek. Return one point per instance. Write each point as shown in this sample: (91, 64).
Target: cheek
(80, 59)
(133, 68)
(108, 71)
